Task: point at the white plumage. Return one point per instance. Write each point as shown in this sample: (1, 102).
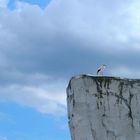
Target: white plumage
(101, 69)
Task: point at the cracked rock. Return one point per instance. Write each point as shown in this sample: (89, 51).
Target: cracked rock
(103, 108)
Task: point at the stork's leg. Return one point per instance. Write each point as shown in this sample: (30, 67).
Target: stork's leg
(102, 73)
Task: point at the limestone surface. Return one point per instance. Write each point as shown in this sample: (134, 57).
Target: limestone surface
(103, 108)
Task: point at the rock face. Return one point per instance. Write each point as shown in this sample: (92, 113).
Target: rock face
(103, 108)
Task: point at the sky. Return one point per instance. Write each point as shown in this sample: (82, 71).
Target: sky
(43, 43)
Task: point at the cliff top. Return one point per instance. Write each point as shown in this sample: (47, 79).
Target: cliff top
(103, 78)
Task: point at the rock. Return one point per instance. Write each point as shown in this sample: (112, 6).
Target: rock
(103, 108)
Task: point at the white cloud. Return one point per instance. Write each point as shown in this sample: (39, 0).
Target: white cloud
(49, 99)
(3, 3)
(106, 24)
(126, 72)
(116, 23)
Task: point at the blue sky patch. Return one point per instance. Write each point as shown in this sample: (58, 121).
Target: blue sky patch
(41, 3)
(19, 122)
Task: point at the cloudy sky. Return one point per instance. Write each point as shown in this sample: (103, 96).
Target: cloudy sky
(43, 43)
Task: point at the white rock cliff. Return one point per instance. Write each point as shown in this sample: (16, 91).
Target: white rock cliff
(103, 108)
